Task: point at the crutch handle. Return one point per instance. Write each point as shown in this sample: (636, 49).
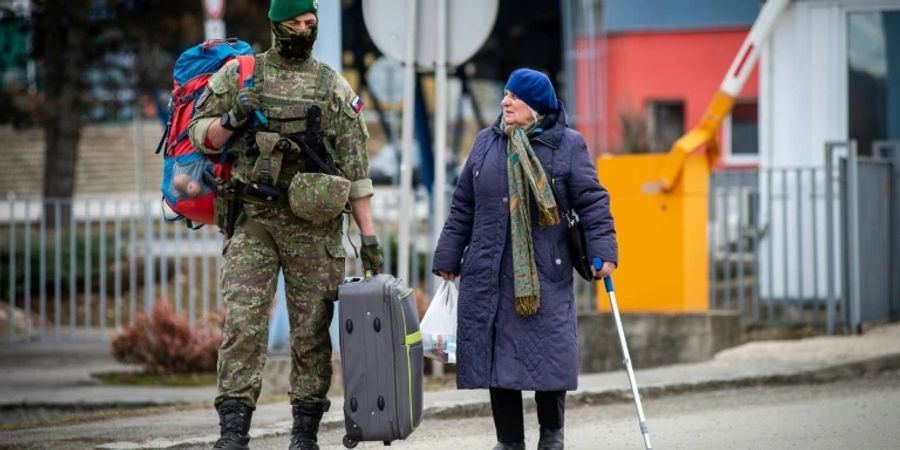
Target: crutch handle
(597, 262)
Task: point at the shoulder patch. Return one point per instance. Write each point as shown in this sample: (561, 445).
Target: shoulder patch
(357, 104)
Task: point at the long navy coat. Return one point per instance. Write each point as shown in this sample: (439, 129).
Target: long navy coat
(496, 347)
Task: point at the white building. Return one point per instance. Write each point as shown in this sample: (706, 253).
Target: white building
(829, 73)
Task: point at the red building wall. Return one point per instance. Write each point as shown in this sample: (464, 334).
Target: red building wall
(682, 65)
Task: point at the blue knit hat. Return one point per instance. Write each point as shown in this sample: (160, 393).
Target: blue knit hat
(533, 88)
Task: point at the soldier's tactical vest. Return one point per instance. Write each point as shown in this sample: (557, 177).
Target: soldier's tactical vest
(286, 96)
(274, 157)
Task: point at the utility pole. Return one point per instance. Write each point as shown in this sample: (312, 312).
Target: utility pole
(213, 12)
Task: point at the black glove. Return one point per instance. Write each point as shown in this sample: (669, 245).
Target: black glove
(246, 102)
(372, 259)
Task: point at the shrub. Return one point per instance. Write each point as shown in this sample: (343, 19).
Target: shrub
(635, 133)
(165, 343)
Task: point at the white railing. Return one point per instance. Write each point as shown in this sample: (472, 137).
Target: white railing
(80, 269)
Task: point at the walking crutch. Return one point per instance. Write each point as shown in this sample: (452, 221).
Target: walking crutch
(626, 361)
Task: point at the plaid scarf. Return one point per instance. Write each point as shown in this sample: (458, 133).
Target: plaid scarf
(524, 174)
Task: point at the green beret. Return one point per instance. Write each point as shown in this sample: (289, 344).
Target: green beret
(282, 10)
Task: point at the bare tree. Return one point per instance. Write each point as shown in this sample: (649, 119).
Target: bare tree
(61, 40)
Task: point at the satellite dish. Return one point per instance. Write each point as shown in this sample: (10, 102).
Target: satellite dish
(469, 23)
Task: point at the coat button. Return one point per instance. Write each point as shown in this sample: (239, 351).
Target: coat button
(476, 173)
(558, 261)
(505, 200)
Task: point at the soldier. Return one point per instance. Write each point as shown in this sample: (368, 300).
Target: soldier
(295, 173)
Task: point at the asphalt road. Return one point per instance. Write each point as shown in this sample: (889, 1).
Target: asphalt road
(852, 414)
(855, 414)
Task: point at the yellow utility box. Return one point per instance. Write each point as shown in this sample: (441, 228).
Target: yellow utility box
(663, 258)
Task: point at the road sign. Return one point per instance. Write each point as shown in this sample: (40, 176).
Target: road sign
(434, 35)
(385, 77)
(469, 22)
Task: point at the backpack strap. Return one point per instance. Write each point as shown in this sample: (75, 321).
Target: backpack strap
(259, 74)
(324, 88)
(246, 77)
(324, 82)
(246, 70)
(162, 140)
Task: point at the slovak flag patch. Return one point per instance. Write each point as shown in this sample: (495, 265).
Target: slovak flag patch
(357, 104)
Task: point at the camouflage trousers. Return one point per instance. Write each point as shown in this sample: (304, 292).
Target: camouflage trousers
(265, 240)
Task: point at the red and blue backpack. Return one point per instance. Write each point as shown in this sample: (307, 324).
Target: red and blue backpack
(185, 192)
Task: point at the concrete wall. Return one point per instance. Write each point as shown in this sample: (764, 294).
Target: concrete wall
(106, 160)
(654, 339)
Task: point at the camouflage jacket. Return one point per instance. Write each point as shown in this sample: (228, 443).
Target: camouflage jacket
(286, 91)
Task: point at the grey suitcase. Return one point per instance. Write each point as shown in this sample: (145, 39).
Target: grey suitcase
(381, 359)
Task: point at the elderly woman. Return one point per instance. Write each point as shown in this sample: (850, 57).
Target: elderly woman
(504, 238)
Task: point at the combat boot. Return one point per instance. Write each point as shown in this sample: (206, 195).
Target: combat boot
(551, 439)
(234, 425)
(306, 426)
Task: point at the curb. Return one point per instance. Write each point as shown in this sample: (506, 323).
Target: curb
(599, 397)
(609, 396)
(811, 376)
(85, 406)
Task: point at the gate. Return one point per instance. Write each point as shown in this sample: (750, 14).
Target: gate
(82, 278)
(818, 246)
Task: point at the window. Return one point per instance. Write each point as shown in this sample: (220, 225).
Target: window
(873, 77)
(665, 123)
(744, 136)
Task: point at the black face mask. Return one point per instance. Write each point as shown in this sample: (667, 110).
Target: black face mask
(291, 44)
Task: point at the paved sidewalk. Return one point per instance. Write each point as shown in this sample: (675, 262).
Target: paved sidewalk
(59, 376)
(757, 363)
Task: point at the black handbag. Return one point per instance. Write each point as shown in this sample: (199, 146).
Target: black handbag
(577, 244)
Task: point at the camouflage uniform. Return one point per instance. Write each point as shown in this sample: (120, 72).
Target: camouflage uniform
(269, 236)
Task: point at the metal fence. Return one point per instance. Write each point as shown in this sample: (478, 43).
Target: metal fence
(81, 276)
(79, 269)
(778, 252)
(766, 236)
(783, 242)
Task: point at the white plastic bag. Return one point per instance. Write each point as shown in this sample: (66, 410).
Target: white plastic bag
(438, 326)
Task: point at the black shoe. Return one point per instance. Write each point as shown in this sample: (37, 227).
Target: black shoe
(306, 426)
(510, 446)
(551, 439)
(234, 425)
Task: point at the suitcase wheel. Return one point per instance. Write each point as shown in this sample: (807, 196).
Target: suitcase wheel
(349, 443)
(387, 442)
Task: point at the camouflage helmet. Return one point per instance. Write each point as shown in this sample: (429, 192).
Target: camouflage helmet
(318, 197)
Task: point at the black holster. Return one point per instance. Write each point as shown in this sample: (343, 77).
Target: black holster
(227, 205)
